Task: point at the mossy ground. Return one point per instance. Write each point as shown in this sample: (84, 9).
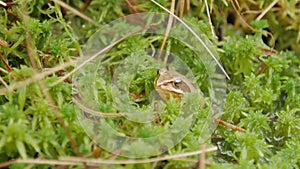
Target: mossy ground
(260, 54)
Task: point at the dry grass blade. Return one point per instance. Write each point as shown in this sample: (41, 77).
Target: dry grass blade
(35, 78)
(29, 45)
(5, 63)
(85, 5)
(32, 165)
(209, 19)
(266, 10)
(131, 7)
(201, 163)
(233, 127)
(97, 162)
(150, 160)
(3, 70)
(236, 7)
(181, 8)
(96, 113)
(58, 116)
(67, 161)
(188, 5)
(91, 58)
(32, 56)
(170, 22)
(197, 37)
(3, 3)
(39, 161)
(76, 12)
(262, 70)
(4, 43)
(3, 82)
(7, 163)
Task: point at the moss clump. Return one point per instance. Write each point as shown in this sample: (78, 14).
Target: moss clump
(262, 95)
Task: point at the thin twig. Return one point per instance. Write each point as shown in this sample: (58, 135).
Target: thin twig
(188, 5)
(92, 57)
(209, 19)
(9, 69)
(131, 7)
(85, 5)
(4, 43)
(96, 113)
(197, 37)
(3, 70)
(7, 163)
(268, 53)
(170, 22)
(251, 12)
(29, 44)
(202, 157)
(262, 70)
(266, 10)
(233, 127)
(58, 116)
(3, 3)
(3, 82)
(39, 161)
(36, 77)
(153, 166)
(235, 7)
(150, 160)
(192, 160)
(42, 84)
(97, 162)
(181, 8)
(238, 5)
(76, 12)
(32, 165)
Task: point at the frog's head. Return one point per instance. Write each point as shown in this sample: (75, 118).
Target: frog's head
(171, 82)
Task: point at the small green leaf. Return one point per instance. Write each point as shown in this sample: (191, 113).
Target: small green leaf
(21, 148)
(261, 24)
(22, 97)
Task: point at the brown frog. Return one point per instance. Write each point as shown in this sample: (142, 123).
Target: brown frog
(171, 82)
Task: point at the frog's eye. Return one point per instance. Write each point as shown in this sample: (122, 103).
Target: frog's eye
(157, 71)
(177, 82)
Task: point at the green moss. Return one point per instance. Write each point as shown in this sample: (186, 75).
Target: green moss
(265, 102)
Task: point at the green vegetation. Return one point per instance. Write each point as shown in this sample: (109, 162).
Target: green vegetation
(38, 118)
